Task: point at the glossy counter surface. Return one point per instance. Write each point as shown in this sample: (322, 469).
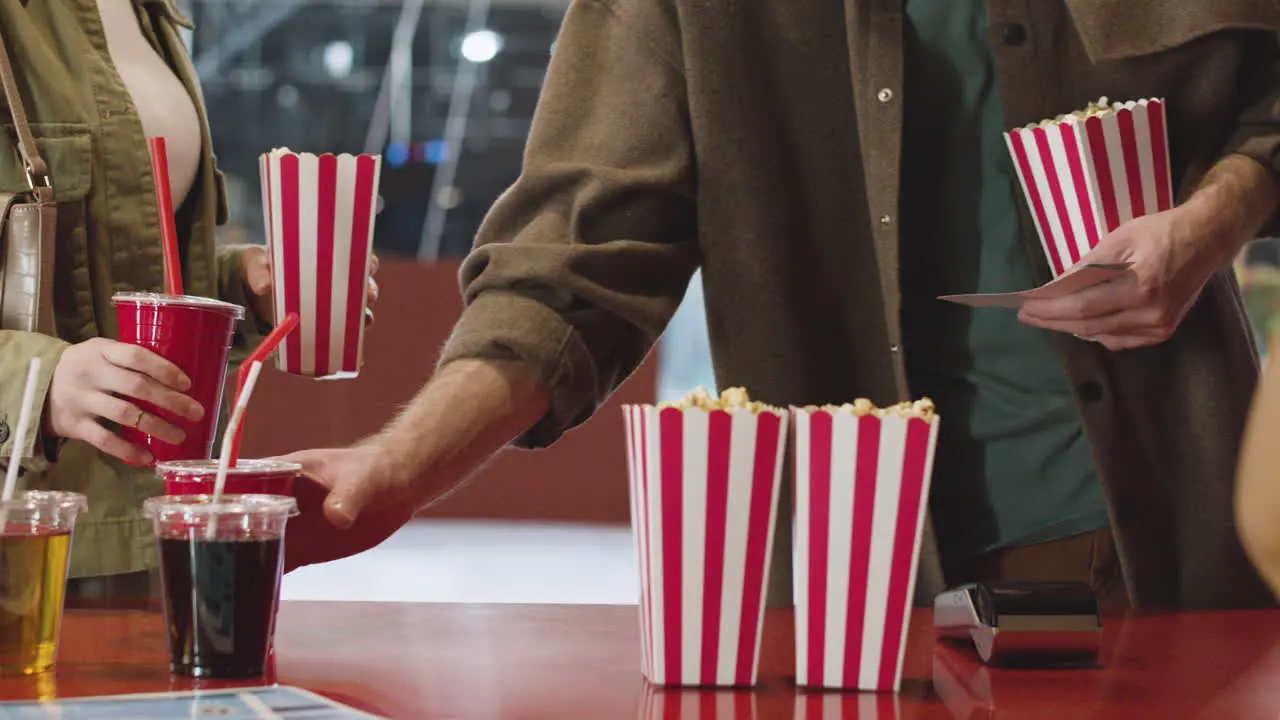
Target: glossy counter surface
(475, 662)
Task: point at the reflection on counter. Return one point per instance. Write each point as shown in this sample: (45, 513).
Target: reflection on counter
(841, 705)
(676, 704)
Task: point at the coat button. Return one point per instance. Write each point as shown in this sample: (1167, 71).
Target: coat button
(1090, 391)
(1013, 34)
(885, 95)
(4, 431)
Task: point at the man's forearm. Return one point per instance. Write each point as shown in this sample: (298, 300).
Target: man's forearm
(466, 413)
(1233, 203)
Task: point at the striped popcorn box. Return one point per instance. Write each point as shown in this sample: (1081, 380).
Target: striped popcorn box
(1085, 174)
(319, 213)
(704, 498)
(663, 704)
(861, 489)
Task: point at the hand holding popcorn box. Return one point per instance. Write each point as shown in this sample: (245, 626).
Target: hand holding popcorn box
(319, 213)
(861, 489)
(1087, 173)
(704, 481)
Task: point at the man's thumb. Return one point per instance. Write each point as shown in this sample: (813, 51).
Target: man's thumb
(345, 502)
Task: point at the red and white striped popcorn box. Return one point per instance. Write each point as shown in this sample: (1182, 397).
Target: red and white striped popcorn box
(659, 703)
(861, 490)
(1085, 176)
(319, 213)
(704, 505)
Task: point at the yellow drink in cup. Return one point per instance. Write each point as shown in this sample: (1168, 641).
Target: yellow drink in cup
(35, 547)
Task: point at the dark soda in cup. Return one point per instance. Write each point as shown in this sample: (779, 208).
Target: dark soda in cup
(220, 569)
(248, 477)
(195, 334)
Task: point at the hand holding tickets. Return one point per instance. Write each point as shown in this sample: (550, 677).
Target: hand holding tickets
(1099, 188)
(1143, 306)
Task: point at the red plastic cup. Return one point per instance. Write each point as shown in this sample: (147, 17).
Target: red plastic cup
(248, 477)
(195, 334)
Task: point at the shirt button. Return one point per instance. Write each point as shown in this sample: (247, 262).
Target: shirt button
(1013, 34)
(885, 220)
(1089, 391)
(885, 95)
(895, 349)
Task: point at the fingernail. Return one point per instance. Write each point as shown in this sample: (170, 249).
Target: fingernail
(185, 383)
(196, 413)
(344, 518)
(148, 459)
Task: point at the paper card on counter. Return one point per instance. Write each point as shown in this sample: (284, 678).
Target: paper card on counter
(276, 701)
(1074, 281)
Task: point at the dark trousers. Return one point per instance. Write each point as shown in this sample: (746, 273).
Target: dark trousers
(1089, 558)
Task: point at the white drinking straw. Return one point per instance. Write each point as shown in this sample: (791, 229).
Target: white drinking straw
(228, 439)
(20, 437)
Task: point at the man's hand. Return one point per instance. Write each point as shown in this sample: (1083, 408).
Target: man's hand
(348, 501)
(255, 273)
(1143, 306)
(1173, 255)
(351, 500)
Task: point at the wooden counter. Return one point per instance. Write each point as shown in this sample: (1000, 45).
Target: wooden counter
(464, 662)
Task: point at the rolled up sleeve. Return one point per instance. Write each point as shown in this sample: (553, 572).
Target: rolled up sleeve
(16, 352)
(581, 263)
(1256, 133)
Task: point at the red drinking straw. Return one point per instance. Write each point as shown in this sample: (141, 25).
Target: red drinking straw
(168, 231)
(259, 354)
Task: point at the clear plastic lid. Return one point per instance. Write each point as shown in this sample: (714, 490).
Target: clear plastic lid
(202, 468)
(30, 512)
(195, 508)
(144, 298)
(46, 500)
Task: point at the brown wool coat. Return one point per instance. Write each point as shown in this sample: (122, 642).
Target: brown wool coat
(762, 140)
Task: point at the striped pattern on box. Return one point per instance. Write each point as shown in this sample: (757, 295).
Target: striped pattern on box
(1083, 178)
(861, 491)
(319, 214)
(704, 503)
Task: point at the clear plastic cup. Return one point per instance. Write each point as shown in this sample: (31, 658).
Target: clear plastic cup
(35, 549)
(220, 568)
(195, 334)
(248, 477)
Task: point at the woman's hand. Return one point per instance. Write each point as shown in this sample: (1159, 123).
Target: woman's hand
(91, 383)
(255, 267)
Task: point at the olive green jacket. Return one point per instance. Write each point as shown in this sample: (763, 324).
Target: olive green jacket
(108, 240)
(762, 140)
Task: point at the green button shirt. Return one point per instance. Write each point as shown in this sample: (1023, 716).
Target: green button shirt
(108, 241)
(1013, 466)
